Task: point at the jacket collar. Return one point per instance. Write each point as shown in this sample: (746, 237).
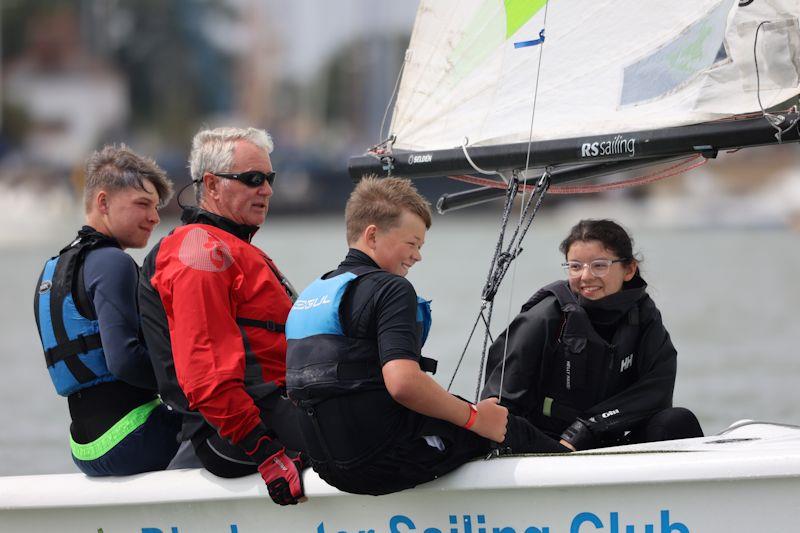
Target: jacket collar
(88, 234)
(196, 215)
(610, 309)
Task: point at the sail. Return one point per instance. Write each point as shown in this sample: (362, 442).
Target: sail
(490, 72)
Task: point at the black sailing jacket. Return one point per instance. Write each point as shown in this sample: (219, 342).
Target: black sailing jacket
(610, 362)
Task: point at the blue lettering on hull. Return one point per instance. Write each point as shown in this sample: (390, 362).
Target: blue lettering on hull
(584, 522)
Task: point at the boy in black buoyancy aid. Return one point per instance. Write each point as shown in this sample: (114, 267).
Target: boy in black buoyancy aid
(88, 321)
(588, 359)
(373, 421)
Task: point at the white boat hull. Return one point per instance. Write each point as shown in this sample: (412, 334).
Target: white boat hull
(747, 479)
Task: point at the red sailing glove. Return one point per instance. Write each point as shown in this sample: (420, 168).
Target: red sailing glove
(279, 468)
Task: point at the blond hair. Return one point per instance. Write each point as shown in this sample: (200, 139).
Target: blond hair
(381, 202)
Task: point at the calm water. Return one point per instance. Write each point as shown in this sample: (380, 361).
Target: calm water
(728, 297)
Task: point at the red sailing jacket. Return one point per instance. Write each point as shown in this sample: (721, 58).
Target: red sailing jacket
(221, 294)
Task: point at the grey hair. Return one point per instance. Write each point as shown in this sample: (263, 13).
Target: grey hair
(212, 151)
(114, 168)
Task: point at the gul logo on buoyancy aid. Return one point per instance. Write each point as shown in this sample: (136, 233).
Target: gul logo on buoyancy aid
(67, 326)
(321, 361)
(581, 372)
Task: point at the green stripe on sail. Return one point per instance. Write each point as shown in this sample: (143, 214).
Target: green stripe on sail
(519, 12)
(482, 35)
(102, 444)
(486, 31)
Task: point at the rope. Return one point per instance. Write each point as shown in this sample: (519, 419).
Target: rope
(673, 170)
(391, 99)
(478, 169)
(536, 88)
(501, 260)
(511, 192)
(774, 120)
(668, 172)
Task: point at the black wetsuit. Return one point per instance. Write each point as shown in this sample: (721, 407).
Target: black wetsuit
(365, 442)
(591, 371)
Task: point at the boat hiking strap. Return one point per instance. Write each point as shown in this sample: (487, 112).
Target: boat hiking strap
(501, 260)
(114, 435)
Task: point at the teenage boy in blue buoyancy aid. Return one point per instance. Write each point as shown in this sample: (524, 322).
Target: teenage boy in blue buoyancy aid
(88, 321)
(373, 421)
(588, 359)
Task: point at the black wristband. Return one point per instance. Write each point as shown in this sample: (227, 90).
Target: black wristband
(578, 435)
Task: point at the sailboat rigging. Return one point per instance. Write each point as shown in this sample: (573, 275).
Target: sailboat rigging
(614, 86)
(622, 84)
(688, 78)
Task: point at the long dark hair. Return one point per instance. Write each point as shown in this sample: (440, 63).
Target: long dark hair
(610, 234)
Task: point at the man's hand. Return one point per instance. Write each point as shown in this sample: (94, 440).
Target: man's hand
(281, 472)
(491, 420)
(280, 469)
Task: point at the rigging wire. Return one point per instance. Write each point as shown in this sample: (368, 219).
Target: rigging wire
(511, 192)
(541, 189)
(538, 194)
(536, 89)
(502, 260)
(774, 120)
(381, 138)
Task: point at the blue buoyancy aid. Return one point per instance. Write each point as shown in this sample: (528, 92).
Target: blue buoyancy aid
(321, 360)
(65, 318)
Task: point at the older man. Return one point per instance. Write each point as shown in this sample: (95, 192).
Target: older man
(85, 305)
(213, 311)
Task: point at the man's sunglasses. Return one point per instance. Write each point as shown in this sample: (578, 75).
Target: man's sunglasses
(251, 178)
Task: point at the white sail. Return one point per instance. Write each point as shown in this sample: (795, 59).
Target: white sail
(605, 66)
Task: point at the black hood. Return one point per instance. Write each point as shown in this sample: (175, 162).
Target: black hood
(196, 215)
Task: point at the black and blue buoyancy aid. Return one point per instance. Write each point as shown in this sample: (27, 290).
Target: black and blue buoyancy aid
(66, 320)
(585, 368)
(321, 360)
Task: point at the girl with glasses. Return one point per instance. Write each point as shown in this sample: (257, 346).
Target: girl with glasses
(588, 359)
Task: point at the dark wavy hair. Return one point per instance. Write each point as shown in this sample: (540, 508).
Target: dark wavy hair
(610, 234)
